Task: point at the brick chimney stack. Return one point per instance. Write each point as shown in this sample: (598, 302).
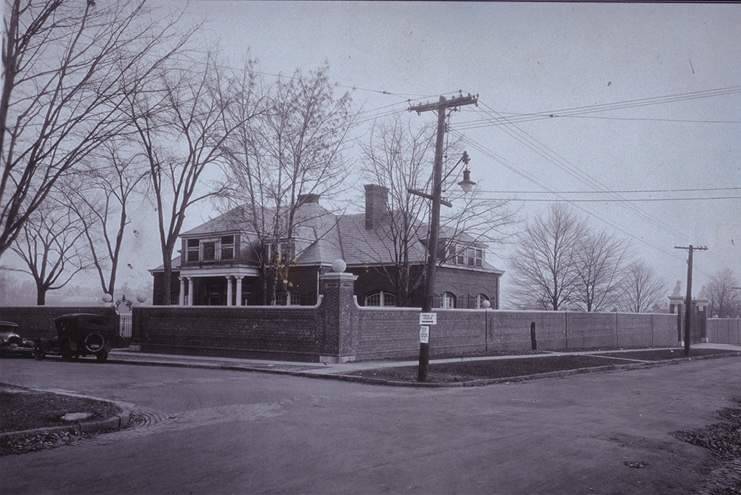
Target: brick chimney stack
(376, 199)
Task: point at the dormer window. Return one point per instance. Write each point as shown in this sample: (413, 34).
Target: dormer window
(285, 252)
(211, 249)
(465, 255)
(208, 251)
(193, 250)
(227, 247)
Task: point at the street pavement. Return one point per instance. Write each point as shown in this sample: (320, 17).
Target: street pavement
(218, 431)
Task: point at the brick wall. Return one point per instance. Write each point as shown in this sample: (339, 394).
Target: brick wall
(38, 321)
(393, 333)
(724, 330)
(338, 329)
(277, 332)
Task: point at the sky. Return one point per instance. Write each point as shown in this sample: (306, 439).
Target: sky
(523, 58)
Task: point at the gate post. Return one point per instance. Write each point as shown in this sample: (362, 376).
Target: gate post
(338, 338)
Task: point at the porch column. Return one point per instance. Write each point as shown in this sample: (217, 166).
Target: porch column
(239, 290)
(181, 295)
(228, 291)
(190, 291)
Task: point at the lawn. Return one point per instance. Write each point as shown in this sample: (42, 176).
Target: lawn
(24, 409)
(661, 354)
(464, 371)
(484, 369)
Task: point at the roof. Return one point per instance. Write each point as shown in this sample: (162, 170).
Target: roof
(322, 237)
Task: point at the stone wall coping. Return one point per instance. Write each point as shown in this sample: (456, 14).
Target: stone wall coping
(338, 275)
(382, 308)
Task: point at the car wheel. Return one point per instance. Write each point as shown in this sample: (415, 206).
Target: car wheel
(94, 343)
(102, 357)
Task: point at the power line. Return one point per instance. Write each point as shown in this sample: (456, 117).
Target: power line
(600, 107)
(559, 161)
(614, 200)
(691, 189)
(486, 151)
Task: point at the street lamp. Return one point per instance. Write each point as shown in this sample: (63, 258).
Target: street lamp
(437, 179)
(466, 184)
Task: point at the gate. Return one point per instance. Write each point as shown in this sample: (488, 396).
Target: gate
(124, 325)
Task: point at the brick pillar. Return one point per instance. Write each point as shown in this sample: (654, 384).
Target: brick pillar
(700, 329)
(676, 306)
(337, 331)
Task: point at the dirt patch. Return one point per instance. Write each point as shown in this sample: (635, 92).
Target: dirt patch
(723, 440)
(24, 409)
(662, 354)
(500, 368)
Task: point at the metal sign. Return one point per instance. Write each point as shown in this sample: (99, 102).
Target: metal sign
(424, 334)
(428, 318)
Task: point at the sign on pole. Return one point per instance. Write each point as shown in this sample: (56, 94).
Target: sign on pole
(428, 318)
(424, 334)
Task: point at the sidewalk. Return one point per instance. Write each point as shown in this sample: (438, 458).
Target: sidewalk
(318, 369)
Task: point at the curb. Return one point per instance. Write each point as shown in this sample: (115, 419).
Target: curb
(117, 422)
(396, 383)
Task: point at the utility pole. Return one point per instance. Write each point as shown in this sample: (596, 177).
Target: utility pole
(688, 297)
(441, 107)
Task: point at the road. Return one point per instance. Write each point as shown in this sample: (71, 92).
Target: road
(214, 431)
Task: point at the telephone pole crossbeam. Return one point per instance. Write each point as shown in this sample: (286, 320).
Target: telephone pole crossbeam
(441, 106)
(688, 297)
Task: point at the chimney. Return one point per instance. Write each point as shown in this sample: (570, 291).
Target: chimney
(307, 198)
(376, 198)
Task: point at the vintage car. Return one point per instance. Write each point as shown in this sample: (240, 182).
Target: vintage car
(80, 334)
(10, 342)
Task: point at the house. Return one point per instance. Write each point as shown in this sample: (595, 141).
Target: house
(220, 260)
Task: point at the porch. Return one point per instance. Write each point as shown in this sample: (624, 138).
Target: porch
(222, 286)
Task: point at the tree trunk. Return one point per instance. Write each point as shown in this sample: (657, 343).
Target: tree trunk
(40, 295)
(167, 281)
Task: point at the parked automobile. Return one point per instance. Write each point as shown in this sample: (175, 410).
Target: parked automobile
(79, 334)
(11, 343)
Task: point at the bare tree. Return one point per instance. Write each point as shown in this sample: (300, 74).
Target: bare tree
(181, 126)
(641, 289)
(399, 157)
(544, 264)
(599, 259)
(99, 195)
(724, 299)
(61, 95)
(292, 150)
(49, 248)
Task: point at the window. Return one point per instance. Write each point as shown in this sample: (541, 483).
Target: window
(448, 300)
(208, 251)
(458, 254)
(480, 298)
(478, 257)
(380, 298)
(285, 252)
(192, 247)
(451, 254)
(470, 256)
(227, 247)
